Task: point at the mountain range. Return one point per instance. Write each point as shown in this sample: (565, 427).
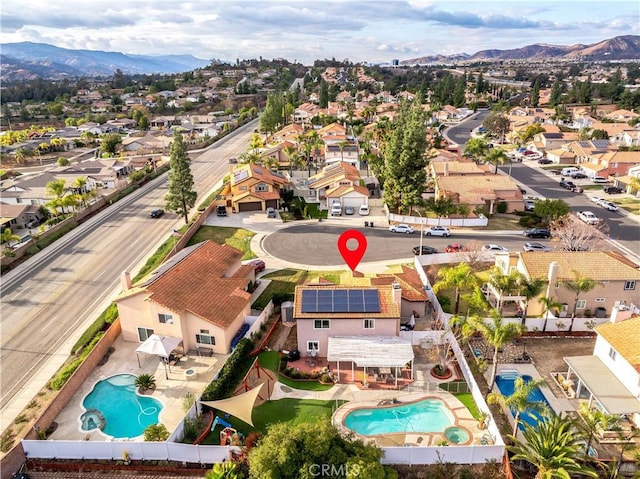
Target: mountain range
(27, 60)
(626, 47)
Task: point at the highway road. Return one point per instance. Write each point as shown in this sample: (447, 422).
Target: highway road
(53, 296)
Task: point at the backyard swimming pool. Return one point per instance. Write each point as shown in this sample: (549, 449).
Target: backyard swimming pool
(505, 382)
(428, 415)
(114, 407)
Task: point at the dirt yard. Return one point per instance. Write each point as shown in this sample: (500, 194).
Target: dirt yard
(547, 354)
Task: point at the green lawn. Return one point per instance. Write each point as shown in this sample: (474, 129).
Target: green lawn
(269, 360)
(293, 411)
(237, 237)
(503, 222)
(467, 400)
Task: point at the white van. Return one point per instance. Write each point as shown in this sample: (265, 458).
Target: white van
(364, 210)
(569, 170)
(336, 209)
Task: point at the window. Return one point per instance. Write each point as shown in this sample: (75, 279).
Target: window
(205, 338)
(581, 304)
(313, 346)
(369, 324)
(629, 285)
(600, 300)
(243, 188)
(321, 324)
(262, 187)
(612, 353)
(144, 333)
(165, 318)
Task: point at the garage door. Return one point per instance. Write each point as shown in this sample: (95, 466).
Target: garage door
(272, 204)
(253, 206)
(354, 201)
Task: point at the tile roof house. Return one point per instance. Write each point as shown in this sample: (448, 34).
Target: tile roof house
(610, 378)
(414, 298)
(339, 182)
(17, 216)
(484, 191)
(618, 278)
(199, 295)
(255, 188)
(614, 163)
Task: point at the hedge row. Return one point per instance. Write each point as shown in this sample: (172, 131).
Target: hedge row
(231, 373)
(102, 323)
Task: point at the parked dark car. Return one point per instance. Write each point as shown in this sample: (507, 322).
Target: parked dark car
(537, 233)
(578, 175)
(157, 213)
(545, 161)
(425, 250)
(612, 190)
(569, 185)
(221, 210)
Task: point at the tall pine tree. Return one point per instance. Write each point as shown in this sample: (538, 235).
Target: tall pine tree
(181, 196)
(404, 158)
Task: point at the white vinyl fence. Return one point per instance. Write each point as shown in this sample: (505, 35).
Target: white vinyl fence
(459, 222)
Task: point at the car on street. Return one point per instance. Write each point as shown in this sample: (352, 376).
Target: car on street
(545, 161)
(578, 175)
(535, 247)
(349, 210)
(258, 265)
(425, 250)
(157, 213)
(271, 213)
(537, 233)
(569, 185)
(454, 248)
(609, 205)
(612, 190)
(588, 217)
(597, 200)
(437, 231)
(401, 228)
(495, 248)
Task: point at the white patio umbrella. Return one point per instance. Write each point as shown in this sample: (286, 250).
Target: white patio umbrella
(161, 346)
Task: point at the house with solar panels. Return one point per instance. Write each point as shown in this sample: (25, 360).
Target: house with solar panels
(352, 328)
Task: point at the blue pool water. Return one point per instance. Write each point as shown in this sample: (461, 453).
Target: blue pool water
(428, 415)
(116, 408)
(505, 383)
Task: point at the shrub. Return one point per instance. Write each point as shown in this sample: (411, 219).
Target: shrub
(7, 439)
(188, 401)
(281, 297)
(156, 433)
(445, 302)
(20, 419)
(192, 426)
(502, 207)
(145, 382)
(61, 378)
(106, 318)
(231, 373)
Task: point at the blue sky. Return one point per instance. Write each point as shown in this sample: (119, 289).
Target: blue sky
(305, 30)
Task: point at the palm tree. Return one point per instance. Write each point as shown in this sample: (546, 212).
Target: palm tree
(519, 402)
(634, 183)
(458, 277)
(553, 447)
(548, 305)
(496, 334)
(291, 152)
(57, 189)
(592, 420)
(496, 156)
(477, 148)
(530, 288)
(8, 236)
(506, 284)
(342, 145)
(578, 285)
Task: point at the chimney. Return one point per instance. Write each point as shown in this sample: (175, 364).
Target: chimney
(446, 167)
(552, 278)
(125, 280)
(397, 293)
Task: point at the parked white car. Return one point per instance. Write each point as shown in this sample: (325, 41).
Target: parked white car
(494, 248)
(609, 205)
(588, 217)
(597, 200)
(402, 228)
(437, 231)
(363, 210)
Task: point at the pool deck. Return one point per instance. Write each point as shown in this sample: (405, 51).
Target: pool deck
(170, 392)
(462, 418)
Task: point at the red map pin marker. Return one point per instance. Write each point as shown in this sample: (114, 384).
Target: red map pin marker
(352, 256)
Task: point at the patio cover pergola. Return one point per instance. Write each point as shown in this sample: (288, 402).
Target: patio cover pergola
(602, 385)
(240, 406)
(161, 346)
(370, 352)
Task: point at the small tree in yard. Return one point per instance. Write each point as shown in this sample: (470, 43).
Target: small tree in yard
(156, 433)
(575, 235)
(181, 196)
(578, 285)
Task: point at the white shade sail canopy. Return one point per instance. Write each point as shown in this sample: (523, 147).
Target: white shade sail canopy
(159, 345)
(370, 351)
(239, 406)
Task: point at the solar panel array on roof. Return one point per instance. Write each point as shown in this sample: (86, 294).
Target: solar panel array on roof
(584, 144)
(601, 143)
(340, 301)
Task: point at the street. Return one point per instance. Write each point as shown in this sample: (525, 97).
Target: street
(51, 298)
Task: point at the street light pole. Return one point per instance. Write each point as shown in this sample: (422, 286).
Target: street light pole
(421, 230)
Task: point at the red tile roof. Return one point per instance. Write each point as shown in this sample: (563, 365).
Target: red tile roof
(201, 283)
